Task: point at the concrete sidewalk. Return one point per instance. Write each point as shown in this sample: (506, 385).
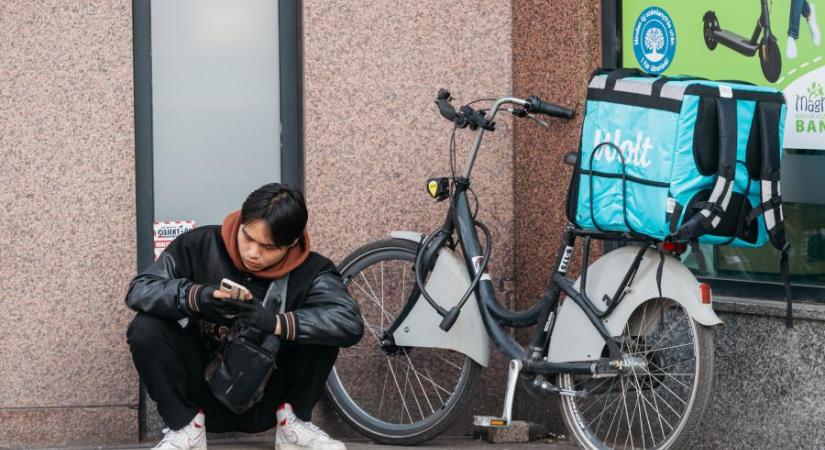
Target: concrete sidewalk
(444, 443)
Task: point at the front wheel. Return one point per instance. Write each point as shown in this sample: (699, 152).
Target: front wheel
(657, 405)
(394, 395)
(711, 26)
(770, 58)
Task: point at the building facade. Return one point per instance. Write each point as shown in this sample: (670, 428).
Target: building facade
(73, 98)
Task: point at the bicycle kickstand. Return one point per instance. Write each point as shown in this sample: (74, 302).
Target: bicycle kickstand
(507, 414)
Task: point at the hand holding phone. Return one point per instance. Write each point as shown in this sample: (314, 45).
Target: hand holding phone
(235, 290)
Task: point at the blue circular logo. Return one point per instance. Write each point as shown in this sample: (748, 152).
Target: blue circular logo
(654, 40)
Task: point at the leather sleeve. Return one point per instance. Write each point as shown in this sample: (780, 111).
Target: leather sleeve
(329, 316)
(161, 289)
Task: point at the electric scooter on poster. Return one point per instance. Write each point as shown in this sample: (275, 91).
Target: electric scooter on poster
(762, 40)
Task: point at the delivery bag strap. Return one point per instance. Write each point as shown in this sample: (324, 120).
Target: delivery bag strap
(767, 117)
(710, 215)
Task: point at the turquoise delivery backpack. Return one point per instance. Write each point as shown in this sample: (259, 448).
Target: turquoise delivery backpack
(680, 159)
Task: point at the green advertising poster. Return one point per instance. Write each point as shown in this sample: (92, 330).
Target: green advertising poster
(745, 40)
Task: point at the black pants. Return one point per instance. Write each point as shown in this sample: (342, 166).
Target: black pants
(171, 361)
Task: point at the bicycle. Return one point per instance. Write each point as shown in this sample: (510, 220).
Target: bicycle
(630, 353)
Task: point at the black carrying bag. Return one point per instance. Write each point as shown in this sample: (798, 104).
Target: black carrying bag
(240, 370)
(241, 367)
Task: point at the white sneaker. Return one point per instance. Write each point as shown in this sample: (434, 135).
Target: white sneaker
(190, 437)
(295, 434)
(815, 34)
(790, 50)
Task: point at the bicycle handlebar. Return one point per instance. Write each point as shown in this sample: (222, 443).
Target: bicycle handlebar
(536, 105)
(468, 116)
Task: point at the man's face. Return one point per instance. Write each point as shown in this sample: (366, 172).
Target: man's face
(257, 250)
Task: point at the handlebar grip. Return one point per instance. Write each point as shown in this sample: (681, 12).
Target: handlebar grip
(541, 107)
(447, 110)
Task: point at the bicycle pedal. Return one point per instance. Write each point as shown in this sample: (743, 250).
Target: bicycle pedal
(490, 421)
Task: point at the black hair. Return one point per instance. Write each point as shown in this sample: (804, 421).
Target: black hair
(281, 207)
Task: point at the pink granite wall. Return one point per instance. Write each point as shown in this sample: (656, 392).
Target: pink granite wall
(67, 229)
(556, 44)
(373, 134)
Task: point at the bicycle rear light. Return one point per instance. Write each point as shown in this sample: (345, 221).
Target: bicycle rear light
(677, 248)
(706, 295)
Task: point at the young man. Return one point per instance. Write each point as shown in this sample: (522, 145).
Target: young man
(262, 246)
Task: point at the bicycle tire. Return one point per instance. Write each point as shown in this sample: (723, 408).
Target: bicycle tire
(581, 426)
(358, 414)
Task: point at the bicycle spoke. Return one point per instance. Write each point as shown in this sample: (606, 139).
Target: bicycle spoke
(656, 394)
(674, 364)
(415, 397)
(450, 363)
(671, 347)
(656, 408)
(605, 407)
(383, 391)
(435, 385)
(430, 378)
(640, 396)
(418, 378)
(677, 380)
(613, 419)
(403, 402)
(594, 390)
(661, 338)
(374, 299)
(673, 393)
(658, 413)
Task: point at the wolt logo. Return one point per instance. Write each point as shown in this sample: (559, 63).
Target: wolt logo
(634, 152)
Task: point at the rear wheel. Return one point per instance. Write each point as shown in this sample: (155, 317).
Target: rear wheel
(394, 395)
(652, 407)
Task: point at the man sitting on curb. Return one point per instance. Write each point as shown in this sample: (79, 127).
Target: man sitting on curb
(264, 242)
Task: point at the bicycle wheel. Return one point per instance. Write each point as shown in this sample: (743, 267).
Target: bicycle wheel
(655, 407)
(394, 395)
(770, 58)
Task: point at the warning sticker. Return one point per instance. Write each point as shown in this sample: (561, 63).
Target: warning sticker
(166, 232)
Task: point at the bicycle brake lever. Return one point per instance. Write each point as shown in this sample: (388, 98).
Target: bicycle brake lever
(539, 121)
(521, 113)
(517, 112)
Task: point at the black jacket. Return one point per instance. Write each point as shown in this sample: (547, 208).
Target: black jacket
(318, 307)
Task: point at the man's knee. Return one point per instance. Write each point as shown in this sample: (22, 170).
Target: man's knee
(146, 331)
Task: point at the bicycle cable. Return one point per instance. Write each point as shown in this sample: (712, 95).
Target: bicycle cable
(453, 313)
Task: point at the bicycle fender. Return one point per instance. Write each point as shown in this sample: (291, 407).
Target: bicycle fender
(412, 236)
(447, 283)
(575, 339)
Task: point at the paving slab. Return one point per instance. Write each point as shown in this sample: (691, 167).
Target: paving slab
(442, 443)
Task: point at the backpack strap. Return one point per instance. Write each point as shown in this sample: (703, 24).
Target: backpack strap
(768, 115)
(711, 211)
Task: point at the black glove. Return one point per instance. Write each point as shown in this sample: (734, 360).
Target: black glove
(255, 315)
(202, 303)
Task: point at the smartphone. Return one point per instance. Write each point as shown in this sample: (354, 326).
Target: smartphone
(238, 291)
